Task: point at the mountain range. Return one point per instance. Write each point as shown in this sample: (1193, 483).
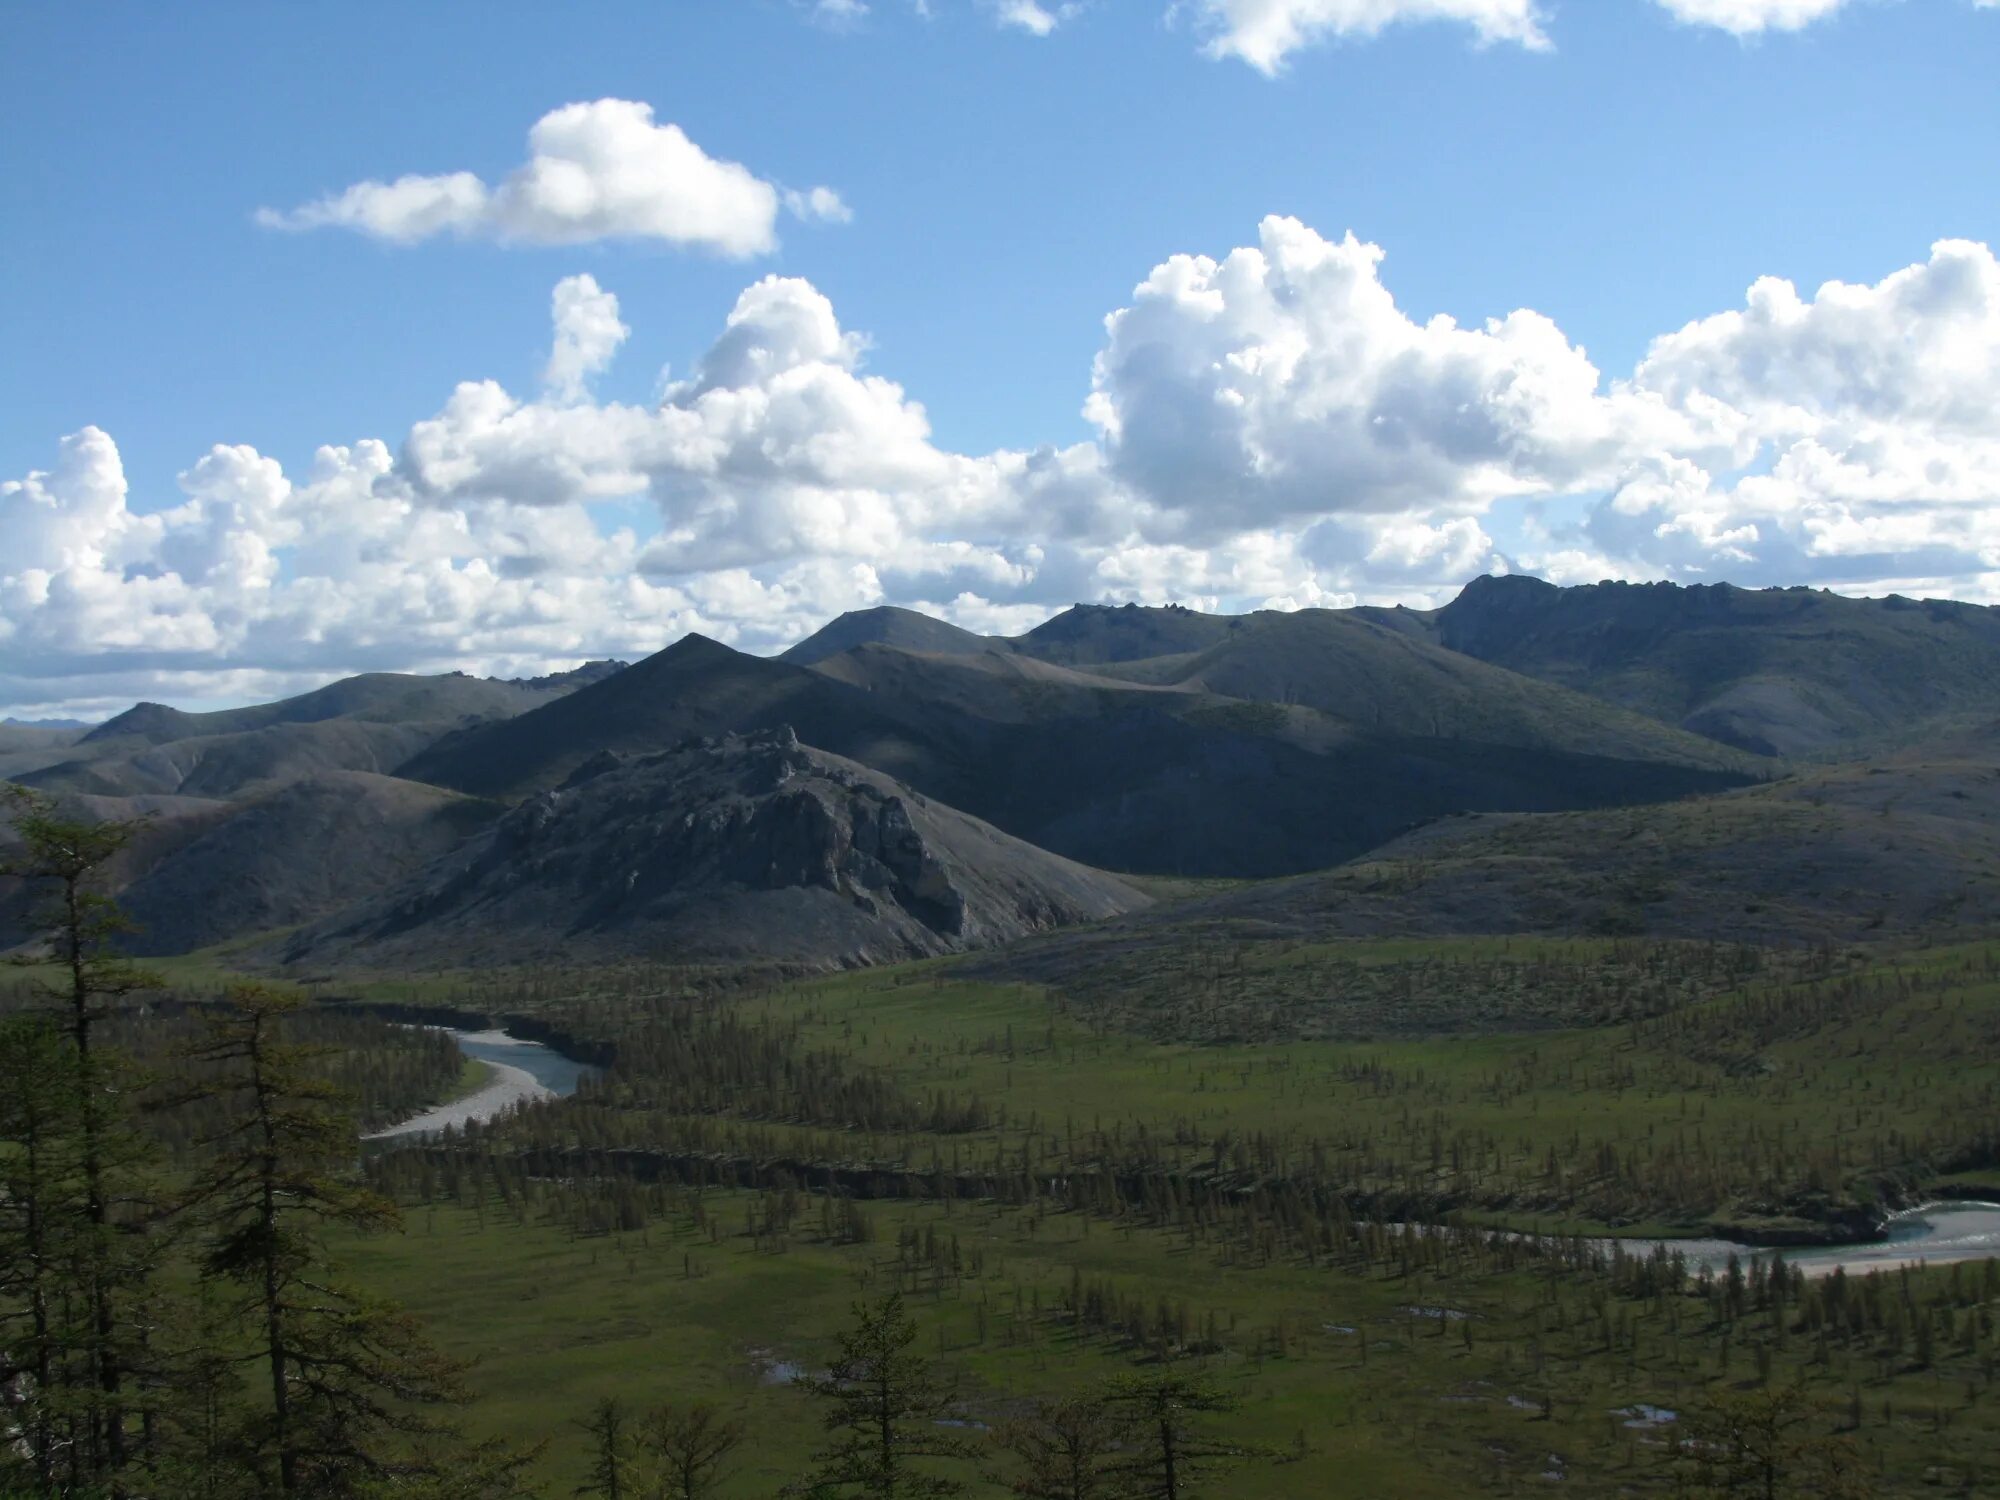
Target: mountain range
(1641, 758)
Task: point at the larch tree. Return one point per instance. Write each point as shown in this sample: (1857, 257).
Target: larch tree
(107, 1221)
(342, 1374)
(687, 1447)
(40, 1205)
(885, 1404)
(610, 1428)
(1173, 1449)
(1064, 1450)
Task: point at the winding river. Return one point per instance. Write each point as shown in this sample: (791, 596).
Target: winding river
(522, 1071)
(1935, 1234)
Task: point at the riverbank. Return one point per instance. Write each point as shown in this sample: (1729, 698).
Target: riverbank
(1942, 1233)
(518, 1072)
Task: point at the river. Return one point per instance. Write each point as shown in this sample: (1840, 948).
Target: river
(1935, 1234)
(522, 1071)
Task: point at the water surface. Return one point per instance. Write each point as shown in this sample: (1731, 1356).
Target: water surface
(1936, 1234)
(522, 1071)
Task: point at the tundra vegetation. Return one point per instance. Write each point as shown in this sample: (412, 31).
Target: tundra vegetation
(1246, 1218)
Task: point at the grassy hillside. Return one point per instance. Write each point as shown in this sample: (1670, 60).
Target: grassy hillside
(1905, 849)
(293, 855)
(370, 723)
(888, 626)
(1387, 682)
(1112, 774)
(1777, 671)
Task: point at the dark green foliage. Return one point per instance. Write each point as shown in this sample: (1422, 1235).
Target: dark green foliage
(1768, 1444)
(341, 1371)
(884, 1406)
(385, 1072)
(611, 1476)
(41, 1222)
(708, 1059)
(1170, 1414)
(94, 1228)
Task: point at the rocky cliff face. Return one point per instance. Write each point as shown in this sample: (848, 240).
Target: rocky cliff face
(730, 849)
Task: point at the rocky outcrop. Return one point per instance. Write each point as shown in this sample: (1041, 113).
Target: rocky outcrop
(726, 849)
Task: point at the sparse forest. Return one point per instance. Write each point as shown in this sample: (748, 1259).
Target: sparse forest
(863, 750)
(920, 1232)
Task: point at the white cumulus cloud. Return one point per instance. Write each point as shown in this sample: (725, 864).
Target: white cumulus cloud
(1749, 17)
(1263, 33)
(1030, 16)
(599, 170)
(1273, 429)
(1283, 382)
(587, 334)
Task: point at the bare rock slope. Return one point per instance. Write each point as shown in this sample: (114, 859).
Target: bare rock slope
(739, 848)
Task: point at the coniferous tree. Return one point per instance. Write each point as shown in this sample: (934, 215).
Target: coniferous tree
(105, 1221)
(40, 1206)
(610, 1476)
(1064, 1450)
(340, 1372)
(1763, 1443)
(1174, 1451)
(688, 1446)
(885, 1402)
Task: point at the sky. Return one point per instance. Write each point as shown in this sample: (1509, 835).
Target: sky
(498, 337)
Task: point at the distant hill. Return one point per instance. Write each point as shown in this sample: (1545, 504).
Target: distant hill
(1785, 672)
(1906, 848)
(1097, 634)
(374, 697)
(889, 626)
(754, 848)
(1117, 774)
(302, 852)
(223, 766)
(1087, 635)
(29, 747)
(1387, 682)
(369, 723)
(694, 688)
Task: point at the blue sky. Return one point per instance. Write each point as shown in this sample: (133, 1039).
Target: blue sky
(1007, 192)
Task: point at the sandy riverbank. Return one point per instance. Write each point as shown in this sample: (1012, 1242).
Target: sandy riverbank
(1936, 1234)
(508, 1087)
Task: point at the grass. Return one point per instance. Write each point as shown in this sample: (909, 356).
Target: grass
(1562, 1086)
(1778, 1104)
(473, 1077)
(1770, 1095)
(556, 1321)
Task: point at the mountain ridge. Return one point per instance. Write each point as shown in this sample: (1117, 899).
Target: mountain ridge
(735, 848)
